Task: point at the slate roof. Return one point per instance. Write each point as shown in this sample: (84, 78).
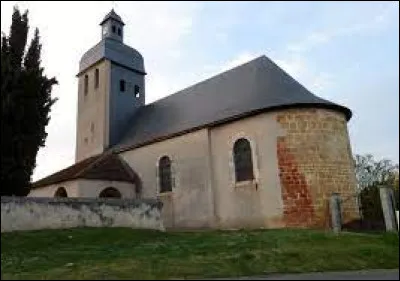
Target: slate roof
(112, 15)
(114, 51)
(257, 86)
(106, 166)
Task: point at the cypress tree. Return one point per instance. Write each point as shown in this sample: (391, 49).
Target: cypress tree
(26, 104)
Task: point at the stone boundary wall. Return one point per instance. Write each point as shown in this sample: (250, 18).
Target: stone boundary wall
(33, 213)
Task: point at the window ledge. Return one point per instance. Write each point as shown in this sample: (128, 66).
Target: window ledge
(165, 194)
(246, 184)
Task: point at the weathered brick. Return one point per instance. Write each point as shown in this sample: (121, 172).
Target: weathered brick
(306, 149)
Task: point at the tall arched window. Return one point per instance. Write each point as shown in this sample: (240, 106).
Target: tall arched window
(86, 85)
(96, 78)
(110, 192)
(61, 192)
(164, 172)
(243, 160)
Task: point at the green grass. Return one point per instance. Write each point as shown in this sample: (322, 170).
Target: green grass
(94, 253)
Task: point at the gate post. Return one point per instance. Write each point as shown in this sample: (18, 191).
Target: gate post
(336, 212)
(386, 194)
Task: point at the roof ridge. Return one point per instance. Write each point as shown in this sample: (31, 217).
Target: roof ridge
(210, 78)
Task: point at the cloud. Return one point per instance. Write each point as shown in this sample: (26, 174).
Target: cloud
(322, 81)
(295, 66)
(157, 26)
(211, 70)
(240, 59)
(301, 70)
(367, 26)
(313, 40)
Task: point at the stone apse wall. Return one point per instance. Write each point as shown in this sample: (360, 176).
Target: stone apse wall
(300, 157)
(315, 159)
(24, 213)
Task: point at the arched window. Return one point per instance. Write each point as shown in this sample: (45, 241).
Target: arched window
(110, 192)
(61, 192)
(86, 85)
(122, 85)
(113, 28)
(243, 160)
(119, 31)
(164, 172)
(96, 78)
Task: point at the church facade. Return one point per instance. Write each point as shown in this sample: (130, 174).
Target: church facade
(248, 148)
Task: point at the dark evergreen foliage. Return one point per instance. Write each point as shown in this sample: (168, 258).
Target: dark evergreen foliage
(25, 102)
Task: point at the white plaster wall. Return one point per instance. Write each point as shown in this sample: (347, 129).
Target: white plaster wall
(190, 202)
(205, 193)
(253, 204)
(85, 188)
(49, 191)
(57, 213)
(92, 188)
(93, 108)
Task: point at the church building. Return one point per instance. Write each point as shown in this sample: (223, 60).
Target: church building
(247, 148)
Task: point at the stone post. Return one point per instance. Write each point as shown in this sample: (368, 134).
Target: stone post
(386, 194)
(336, 212)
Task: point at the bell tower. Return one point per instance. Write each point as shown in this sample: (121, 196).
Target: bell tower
(112, 27)
(111, 89)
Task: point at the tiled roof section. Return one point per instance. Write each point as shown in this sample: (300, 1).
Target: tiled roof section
(256, 86)
(106, 166)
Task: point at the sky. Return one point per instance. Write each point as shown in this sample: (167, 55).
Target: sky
(346, 52)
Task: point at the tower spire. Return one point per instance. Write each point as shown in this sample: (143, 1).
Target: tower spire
(112, 26)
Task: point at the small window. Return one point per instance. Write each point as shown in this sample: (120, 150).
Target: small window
(86, 85)
(96, 78)
(122, 85)
(164, 170)
(137, 91)
(119, 31)
(61, 192)
(243, 160)
(113, 28)
(110, 192)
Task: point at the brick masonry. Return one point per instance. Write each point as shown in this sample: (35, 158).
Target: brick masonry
(315, 159)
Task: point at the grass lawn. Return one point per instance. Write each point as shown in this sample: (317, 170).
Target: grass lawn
(100, 253)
